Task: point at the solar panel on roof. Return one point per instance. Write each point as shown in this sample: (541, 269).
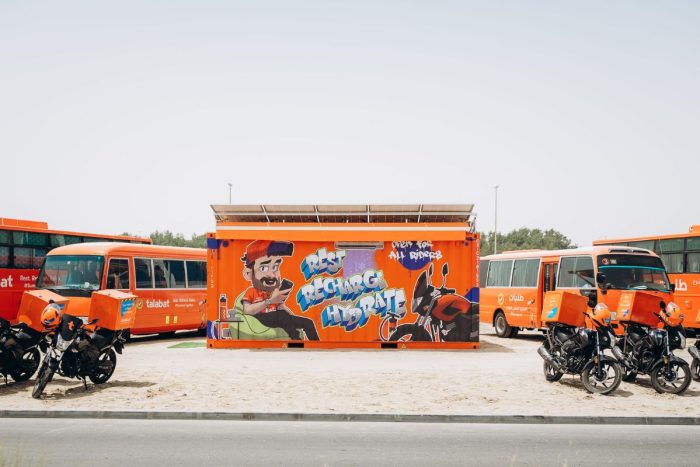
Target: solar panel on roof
(348, 213)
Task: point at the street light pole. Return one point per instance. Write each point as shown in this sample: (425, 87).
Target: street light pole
(229, 192)
(495, 223)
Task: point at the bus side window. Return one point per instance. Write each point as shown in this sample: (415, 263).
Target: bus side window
(160, 274)
(142, 267)
(118, 274)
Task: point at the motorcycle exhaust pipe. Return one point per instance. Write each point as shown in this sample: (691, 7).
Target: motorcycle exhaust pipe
(694, 352)
(544, 353)
(620, 357)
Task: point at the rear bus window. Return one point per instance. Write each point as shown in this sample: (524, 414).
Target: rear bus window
(483, 271)
(118, 274)
(144, 274)
(196, 274)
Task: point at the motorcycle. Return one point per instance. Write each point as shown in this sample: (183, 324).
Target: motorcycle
(75, 351)
(579, 351)
(443, 316)
(19, 355)
(650, 351)
(694, 352)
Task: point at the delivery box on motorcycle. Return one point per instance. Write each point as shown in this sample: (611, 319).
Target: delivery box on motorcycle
(33, 303)
(115, 310)
(564, 307)
(638, 307)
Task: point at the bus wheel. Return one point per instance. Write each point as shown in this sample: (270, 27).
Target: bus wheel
(502, 327)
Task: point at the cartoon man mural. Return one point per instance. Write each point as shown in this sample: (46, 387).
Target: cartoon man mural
(265, 299)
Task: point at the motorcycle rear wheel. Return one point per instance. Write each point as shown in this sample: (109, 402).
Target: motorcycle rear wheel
(108, 359)
(45, 375)
(695, 370)
(416, 333)
(29, 364)
(669, 381)
(605, 383)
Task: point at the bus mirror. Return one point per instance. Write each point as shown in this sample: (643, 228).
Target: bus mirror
(673, 287)
(600, 278)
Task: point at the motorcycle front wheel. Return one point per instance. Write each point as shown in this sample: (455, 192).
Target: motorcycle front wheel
(604, 381)
(695, 370)
(106, 363)
(45, 374)
(410, 332)
(673, 378)
(27, 366)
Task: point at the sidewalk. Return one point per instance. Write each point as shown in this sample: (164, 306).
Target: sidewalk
(504, 378)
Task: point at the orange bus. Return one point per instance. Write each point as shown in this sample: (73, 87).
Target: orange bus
(680, 254)
(513, 284)
(23, 246)
(170, 282)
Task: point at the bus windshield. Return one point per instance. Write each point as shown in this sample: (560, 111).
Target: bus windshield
(631, 272)
(71, 273)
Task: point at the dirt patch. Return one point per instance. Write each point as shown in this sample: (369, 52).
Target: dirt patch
(504, 377)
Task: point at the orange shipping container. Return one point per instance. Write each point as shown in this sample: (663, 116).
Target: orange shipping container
(343, 276)
(33, 303)
(639, 307)
(113, 309)
(564, 307)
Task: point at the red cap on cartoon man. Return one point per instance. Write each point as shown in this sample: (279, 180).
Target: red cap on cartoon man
(260, 248)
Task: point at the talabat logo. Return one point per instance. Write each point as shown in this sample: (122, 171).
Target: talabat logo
(6, 282)
(552, 313)
(157, 303)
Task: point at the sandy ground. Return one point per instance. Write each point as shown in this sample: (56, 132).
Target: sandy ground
(503, 378)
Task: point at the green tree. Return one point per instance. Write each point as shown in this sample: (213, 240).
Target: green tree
(169, 238)
(526, 239)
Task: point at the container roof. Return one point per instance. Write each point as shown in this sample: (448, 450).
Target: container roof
(344, 213)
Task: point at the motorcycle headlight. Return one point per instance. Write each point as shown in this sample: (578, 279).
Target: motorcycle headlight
(62, 344)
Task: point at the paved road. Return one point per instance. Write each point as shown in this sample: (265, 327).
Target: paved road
(132, 443)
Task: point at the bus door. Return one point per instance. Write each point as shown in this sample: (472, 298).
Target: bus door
(549, 281)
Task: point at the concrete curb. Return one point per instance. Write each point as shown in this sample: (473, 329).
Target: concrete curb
(331, 417)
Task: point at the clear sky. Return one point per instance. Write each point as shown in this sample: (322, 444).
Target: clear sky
(134, 115)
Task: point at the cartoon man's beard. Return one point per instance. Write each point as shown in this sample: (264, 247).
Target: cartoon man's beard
(266, 284)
